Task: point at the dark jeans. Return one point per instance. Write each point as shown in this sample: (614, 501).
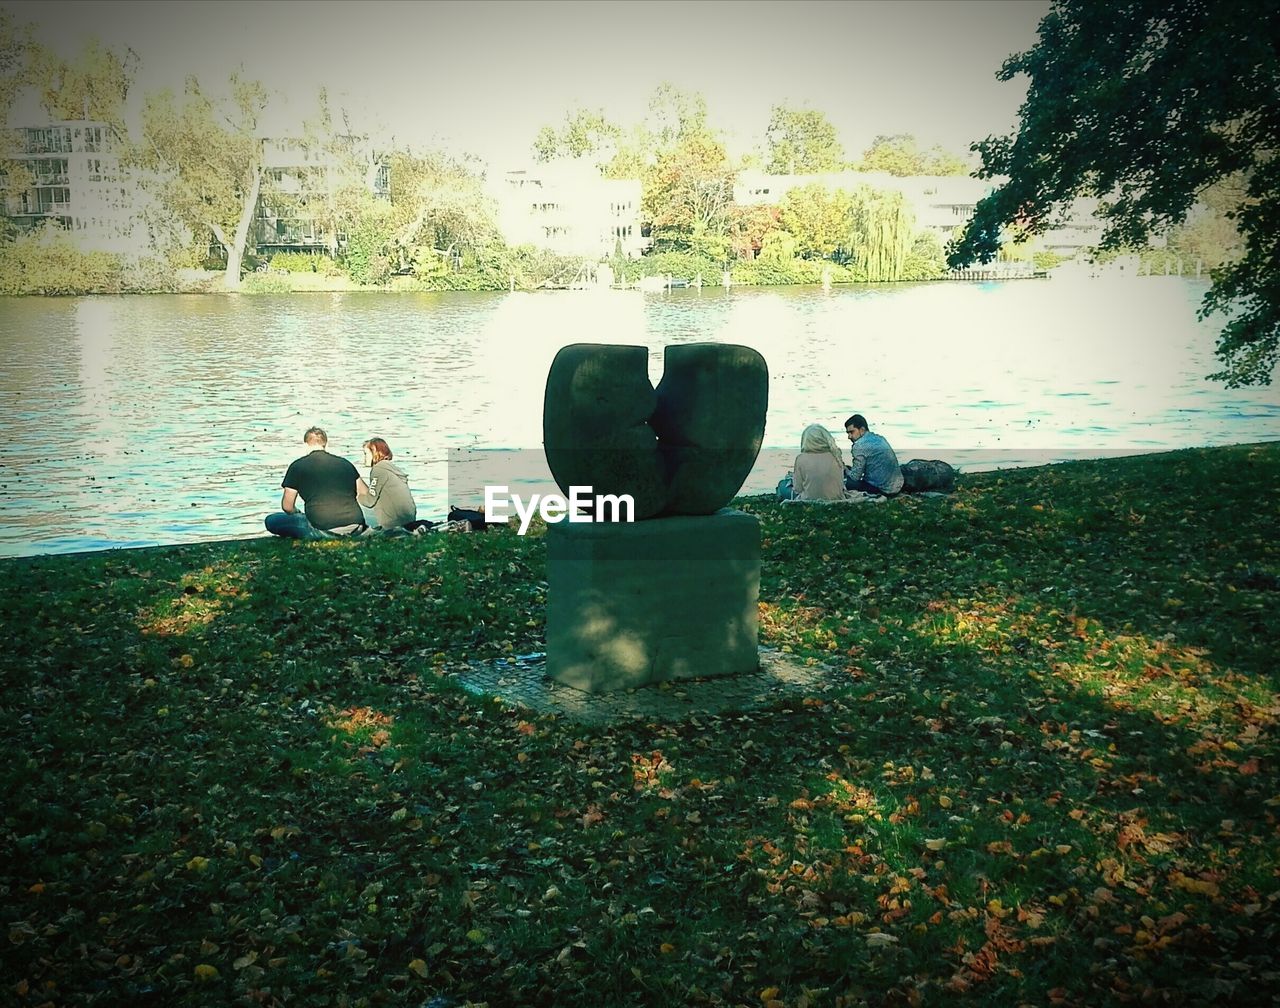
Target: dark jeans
(294, 525)
(864, 487)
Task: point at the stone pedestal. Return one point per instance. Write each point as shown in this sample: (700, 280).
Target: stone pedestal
(630, 604)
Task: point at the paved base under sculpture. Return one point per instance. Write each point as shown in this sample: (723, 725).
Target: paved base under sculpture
(523, 682)
(652, 601)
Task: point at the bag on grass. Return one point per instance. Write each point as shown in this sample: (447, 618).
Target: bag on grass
(920, 475)
(476, 519)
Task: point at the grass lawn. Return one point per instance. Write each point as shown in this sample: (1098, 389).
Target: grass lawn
(1045, 772)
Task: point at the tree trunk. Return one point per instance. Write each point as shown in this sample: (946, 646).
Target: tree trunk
(235, 247)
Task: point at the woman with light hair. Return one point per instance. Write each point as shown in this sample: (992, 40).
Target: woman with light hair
(818, 473)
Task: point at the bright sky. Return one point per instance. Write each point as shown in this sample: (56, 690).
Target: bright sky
(483, 77)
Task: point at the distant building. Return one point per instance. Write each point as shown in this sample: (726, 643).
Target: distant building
(299, 183)
(941, 203)
(570, 209)
(1075, 229)
(73, 178)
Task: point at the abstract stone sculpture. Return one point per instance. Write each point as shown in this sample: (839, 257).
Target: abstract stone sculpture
(651, 601)
(684, 449)
(674, 597)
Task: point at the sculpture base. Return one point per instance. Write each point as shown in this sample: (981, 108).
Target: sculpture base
(652, 601)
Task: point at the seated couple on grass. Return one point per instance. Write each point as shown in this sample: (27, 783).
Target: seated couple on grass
(335, 493)
(819, 472)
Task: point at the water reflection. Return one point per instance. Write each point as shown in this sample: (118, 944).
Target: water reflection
(132, 421)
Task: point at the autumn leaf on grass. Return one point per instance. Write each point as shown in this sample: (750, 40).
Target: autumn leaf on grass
(769, 998)
(418, 967)
(205, 973)
(1192, 885)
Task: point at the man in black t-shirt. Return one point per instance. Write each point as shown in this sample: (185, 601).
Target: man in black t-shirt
(328, 484)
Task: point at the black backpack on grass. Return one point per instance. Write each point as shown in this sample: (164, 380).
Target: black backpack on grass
(920, 475)
(476, 518)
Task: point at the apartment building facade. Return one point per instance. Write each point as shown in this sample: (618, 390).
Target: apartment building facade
(71, 176)
(570, 209)
(294, 212)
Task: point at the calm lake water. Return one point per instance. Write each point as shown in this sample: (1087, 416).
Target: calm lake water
(132, 421)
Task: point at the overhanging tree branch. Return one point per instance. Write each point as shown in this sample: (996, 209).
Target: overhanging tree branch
(1144, 105)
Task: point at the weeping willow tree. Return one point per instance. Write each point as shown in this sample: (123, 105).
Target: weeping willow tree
(882, 229)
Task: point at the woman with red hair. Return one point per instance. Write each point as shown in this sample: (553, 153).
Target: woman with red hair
(388, 496)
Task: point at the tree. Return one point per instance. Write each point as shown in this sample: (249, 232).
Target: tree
(674, 116)
(748, 228)
(801, 141)
(900, 155)
(688, 194)
(938, 161)
(1144, 106)
(92, 86)
(439, 207)
(1210, 235)
(817, 217)
(585, 133)
(18, 58)
(206, 161)
(926, 260)
(881, 234)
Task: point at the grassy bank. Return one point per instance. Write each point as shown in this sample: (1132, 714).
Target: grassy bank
(1045, 772)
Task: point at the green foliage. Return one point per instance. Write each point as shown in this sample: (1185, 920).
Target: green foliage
(927, 260)
(688, 194)
(1146, 109)
(901, 155)
(1047, 260)
(778, 248)
(266, 283)
(94, 85)
(801, 141)
(48, 261)
(486, 269)
(371, 248)
(366, 255)
(881, 234)
(585, 133)
(439, 202)
(683, 265)
(205, 161)
(768, 270)
(495, 267)
(19, 60)
(1023, 771)
(675, 116)
(1209, 233)
(817, 218)
(148, 275)
(534, 267)
(303, 262)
